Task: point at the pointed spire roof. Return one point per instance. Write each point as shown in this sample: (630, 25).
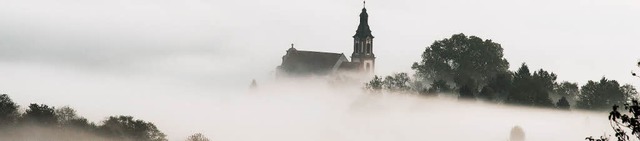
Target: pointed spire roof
(363, 27)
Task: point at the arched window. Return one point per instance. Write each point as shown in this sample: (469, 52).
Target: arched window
(355, 47)
(368, 48)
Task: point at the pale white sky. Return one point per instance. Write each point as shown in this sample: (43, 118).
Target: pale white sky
(60, 52)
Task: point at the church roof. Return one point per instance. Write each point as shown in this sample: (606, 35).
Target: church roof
(349, 66)
(303, 62)
(363, 28)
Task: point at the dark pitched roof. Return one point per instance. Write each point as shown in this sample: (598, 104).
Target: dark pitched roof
(350, 66)
(363, 28)
(309, 62)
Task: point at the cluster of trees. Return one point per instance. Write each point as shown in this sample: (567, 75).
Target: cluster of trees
(65, 119)
(625, 123)
(473, 68)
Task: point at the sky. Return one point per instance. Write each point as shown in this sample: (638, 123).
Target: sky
(93, 54)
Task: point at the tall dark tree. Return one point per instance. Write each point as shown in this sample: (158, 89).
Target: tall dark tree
(41, 115)
(8, 111)
(461, 59)
(532, 90)
(501, 84)
(126, 128)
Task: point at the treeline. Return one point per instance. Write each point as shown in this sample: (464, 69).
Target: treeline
(472, 68)
(43, 122)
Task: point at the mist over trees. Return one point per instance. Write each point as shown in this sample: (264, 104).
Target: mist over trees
(50, 123)
(470, 67)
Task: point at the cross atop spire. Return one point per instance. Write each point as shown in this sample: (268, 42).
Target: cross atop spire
(364, 4)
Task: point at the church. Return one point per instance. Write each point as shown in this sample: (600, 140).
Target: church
(303, 63)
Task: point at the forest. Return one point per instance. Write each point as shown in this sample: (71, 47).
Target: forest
(44, 122)
(470, 67)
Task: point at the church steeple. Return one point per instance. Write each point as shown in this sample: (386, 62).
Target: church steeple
(363, 28)
(363, 44)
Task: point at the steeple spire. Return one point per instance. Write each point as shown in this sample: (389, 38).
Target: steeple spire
(363, 28)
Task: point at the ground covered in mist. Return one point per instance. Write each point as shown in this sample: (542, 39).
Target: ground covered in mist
(290, 111)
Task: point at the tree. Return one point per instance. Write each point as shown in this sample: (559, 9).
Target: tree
(375, 84)
(461, 59)
(566, 89)
(501, 84)
(8, 111)
(563, 104)
(65, 114)
(629, 91)
(486, 93)
(439, 86)
(41, 115)
(532, 90)
(67, 117)
(604, 93)
(467, 92)
(397, 82)
(126, 128)
(623, 123)
(197, 137)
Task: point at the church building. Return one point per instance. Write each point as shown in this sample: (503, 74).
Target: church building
(302, 63)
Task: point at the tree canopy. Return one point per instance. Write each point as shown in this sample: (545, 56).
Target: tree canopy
(66, 119)
(600, 95)
(128, 128)
(8, 110)
(461, 59)
(197, 137)
(531, 89)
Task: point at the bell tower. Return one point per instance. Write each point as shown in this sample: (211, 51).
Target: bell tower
(363, 44)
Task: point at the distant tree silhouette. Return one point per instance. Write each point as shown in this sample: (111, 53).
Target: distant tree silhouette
(532, 90)
(67, 118)
(397, 82)
(197, 137)
(604, 93)
(461, 59)
(622, 123)
(566, 89)
(126, 128)
(563, 104)
(41, 115)
(8, 111)
(65, 114)
(61, 120)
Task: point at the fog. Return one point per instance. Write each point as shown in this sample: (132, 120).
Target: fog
(186, 65)
(305, 109)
